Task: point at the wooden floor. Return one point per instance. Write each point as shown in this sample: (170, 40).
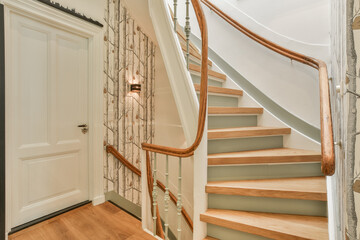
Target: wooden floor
(105, 221)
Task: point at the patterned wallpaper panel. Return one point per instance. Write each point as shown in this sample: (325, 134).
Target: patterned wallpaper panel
(352, 123)
(129, 117)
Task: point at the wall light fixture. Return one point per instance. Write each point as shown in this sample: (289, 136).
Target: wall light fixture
(135, 87)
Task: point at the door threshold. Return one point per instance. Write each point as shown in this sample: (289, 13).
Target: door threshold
(46, 217)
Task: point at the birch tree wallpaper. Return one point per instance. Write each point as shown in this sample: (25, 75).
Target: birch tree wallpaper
(352, 145)
(129, 117)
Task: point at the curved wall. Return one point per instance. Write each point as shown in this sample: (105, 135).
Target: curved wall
(291, 18)
(289, 84)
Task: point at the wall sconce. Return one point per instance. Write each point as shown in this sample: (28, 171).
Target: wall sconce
(135, 88)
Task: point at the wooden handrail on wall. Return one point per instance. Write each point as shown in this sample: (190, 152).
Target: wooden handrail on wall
(129, 165)
(327, 139)
(187, 152)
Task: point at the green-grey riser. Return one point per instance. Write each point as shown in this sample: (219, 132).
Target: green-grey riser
(244, 144)
(263, 171)
(270, 205)
(194, 60)
(230, 234)
(231, 121)
(222, 101)
(196, 79)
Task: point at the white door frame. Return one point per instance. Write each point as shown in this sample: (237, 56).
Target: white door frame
(94, 34)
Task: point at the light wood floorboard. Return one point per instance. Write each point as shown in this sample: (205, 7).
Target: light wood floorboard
(105, 221)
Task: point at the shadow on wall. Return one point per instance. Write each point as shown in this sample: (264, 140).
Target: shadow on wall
(129, 117)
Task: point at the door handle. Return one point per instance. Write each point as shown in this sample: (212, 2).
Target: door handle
(84, 127)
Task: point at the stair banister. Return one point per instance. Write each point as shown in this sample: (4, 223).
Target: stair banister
(187, 152)
(179, 152)
(110, 149)
(327, 139)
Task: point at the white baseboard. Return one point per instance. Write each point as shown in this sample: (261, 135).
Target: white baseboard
(98, 200)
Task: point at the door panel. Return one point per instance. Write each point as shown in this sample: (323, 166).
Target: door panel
(33, 94)
(49, 97)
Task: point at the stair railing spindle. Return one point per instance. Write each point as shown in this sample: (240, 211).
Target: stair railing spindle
(167, 199)
(187, 32)
(175, 14)
(154, 193)
(179, 202)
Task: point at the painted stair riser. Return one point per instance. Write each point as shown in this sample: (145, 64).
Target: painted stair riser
(222, 121)
(243, 144)
(262, 171)
(230, 234)
(222, 101)
(194, 60)
(211, 82)
(270, 205)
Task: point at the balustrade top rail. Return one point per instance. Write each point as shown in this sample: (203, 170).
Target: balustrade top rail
(327, 139)
(187, 152)
(110, 149)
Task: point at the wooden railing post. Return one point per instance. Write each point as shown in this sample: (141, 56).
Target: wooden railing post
(130, 166)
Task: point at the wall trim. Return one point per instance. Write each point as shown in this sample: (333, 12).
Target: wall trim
(47, 217)
(50, 16)
(274, 108)
(124, 204)
(72, 12)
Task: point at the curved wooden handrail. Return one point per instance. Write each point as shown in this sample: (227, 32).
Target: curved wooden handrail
(111, 149)
(178, 152)
(327, 139)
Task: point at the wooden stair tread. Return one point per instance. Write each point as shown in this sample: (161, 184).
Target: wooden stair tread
(275, 155)
(195, 53)
(246, 132)
(235, 110)
(307, 188)
(211, 73)
(270, 225)
(221, 90)
(182, 37)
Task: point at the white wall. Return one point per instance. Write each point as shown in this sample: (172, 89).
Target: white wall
(292, 85)
(291, 18)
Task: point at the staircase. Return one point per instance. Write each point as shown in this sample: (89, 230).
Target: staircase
(257, 189)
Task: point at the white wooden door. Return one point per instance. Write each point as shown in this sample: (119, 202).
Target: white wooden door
(49, 99)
